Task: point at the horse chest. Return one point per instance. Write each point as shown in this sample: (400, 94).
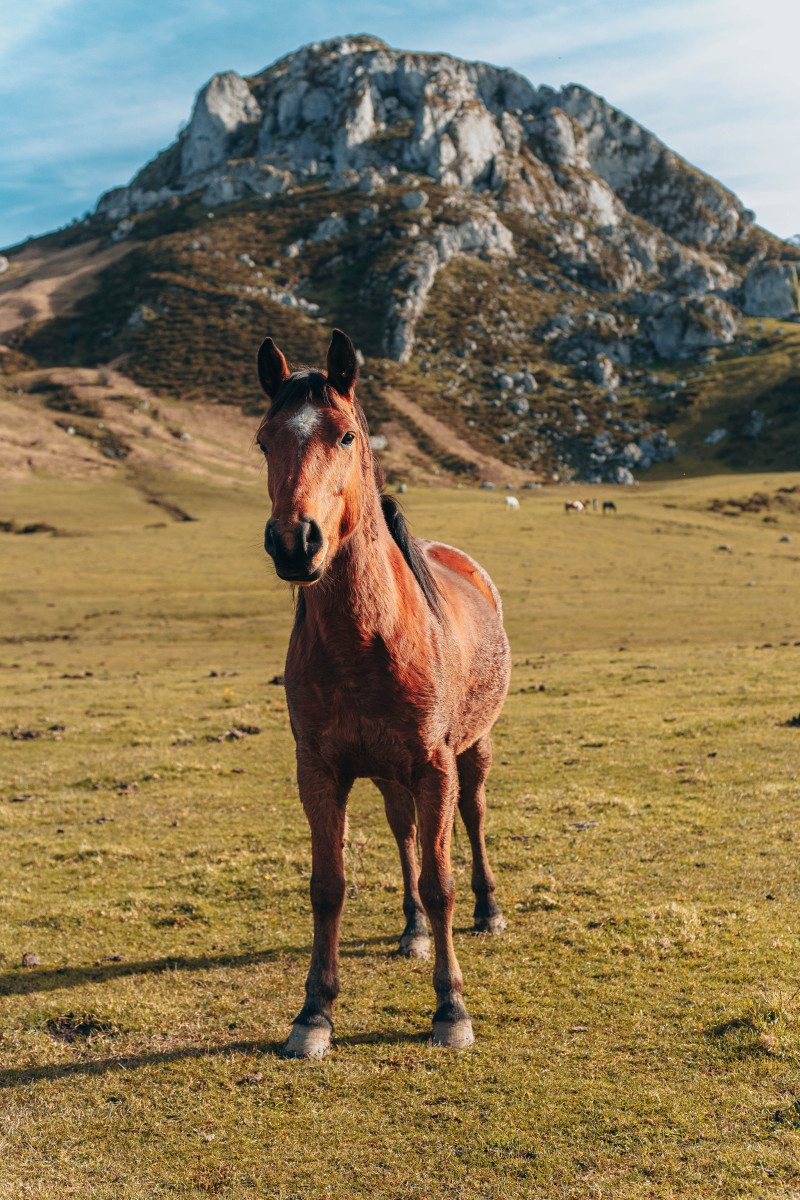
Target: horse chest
(378, 722)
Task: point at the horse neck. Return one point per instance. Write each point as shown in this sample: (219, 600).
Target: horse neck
(359, 588)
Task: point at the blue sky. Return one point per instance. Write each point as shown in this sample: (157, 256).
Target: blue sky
(91, 89)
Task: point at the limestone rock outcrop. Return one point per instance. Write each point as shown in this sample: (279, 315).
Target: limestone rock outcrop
(772, 289)
(483, 233)
(539, 254)
(688, 327)
(354, 109)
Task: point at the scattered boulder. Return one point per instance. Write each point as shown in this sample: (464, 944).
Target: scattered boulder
(122, 230)
(687, 327)
(415, 200)
(330, 227)
(367, 214)
(224, 189)
(604, 372)
(771, 289)
(756, 423)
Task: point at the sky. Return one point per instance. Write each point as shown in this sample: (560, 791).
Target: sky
(90, 90)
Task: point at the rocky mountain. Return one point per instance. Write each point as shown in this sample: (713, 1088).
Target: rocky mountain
(528, 266)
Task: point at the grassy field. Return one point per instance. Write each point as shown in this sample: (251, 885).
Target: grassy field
(638, 1027)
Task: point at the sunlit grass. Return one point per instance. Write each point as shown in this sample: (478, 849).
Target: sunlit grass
(637, 1027)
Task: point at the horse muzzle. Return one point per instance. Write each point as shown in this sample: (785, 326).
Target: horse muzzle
(299, 553)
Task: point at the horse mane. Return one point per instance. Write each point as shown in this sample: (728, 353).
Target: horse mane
(305, 384)
(411, 551)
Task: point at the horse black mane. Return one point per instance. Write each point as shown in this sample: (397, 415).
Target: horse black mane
(411, 551)
(307, 385)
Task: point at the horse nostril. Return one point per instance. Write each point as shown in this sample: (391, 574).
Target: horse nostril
(269, 539)
(311, 537)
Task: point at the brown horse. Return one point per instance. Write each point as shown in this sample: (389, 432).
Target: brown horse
(397, 669)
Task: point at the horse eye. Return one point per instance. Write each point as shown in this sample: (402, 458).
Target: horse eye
(263, 450)
(348, 439)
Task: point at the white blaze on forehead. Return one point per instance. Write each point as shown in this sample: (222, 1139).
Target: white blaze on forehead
(304, 422)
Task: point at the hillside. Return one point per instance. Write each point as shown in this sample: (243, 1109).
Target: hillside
(540, 288)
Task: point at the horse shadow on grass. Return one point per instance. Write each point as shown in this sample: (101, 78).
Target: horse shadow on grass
(124, 1063)
(26, 981)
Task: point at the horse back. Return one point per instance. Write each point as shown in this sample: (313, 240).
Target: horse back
(447, 561)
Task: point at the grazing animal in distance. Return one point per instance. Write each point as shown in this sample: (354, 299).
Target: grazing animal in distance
(609, 506)
(512, 503)
(573, 506)
(397, 668)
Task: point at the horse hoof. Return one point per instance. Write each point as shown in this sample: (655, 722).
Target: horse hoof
(415, 947)
(455, 1034)
(308, 1041)
(495, 924)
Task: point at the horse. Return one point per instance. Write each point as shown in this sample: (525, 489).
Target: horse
(397, 668)
(573, 506)
(609, 506)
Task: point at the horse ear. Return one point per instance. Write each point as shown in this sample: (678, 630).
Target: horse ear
(272, 368)
(342, 364)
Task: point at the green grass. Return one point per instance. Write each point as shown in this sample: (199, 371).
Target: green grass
(638, 1028)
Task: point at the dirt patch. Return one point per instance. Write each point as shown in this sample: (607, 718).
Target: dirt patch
(784, 500)
(43, 284)
(457, 455)
(173, 510)
(30, 735)
(87, 422)
(76, 1027)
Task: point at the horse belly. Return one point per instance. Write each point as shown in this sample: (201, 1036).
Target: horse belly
(484, 690)
(477, 663)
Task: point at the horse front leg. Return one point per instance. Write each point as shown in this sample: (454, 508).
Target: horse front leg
(325, 802)
(399, 805)
(436, 795)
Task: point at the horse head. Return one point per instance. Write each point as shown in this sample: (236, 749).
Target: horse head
(316, 442)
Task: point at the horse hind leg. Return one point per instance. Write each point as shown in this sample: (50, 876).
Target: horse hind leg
(473, 768)
(436, 794)
(400, 813)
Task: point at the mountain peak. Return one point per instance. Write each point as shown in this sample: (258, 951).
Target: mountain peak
(353, 105)
(501, 238)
